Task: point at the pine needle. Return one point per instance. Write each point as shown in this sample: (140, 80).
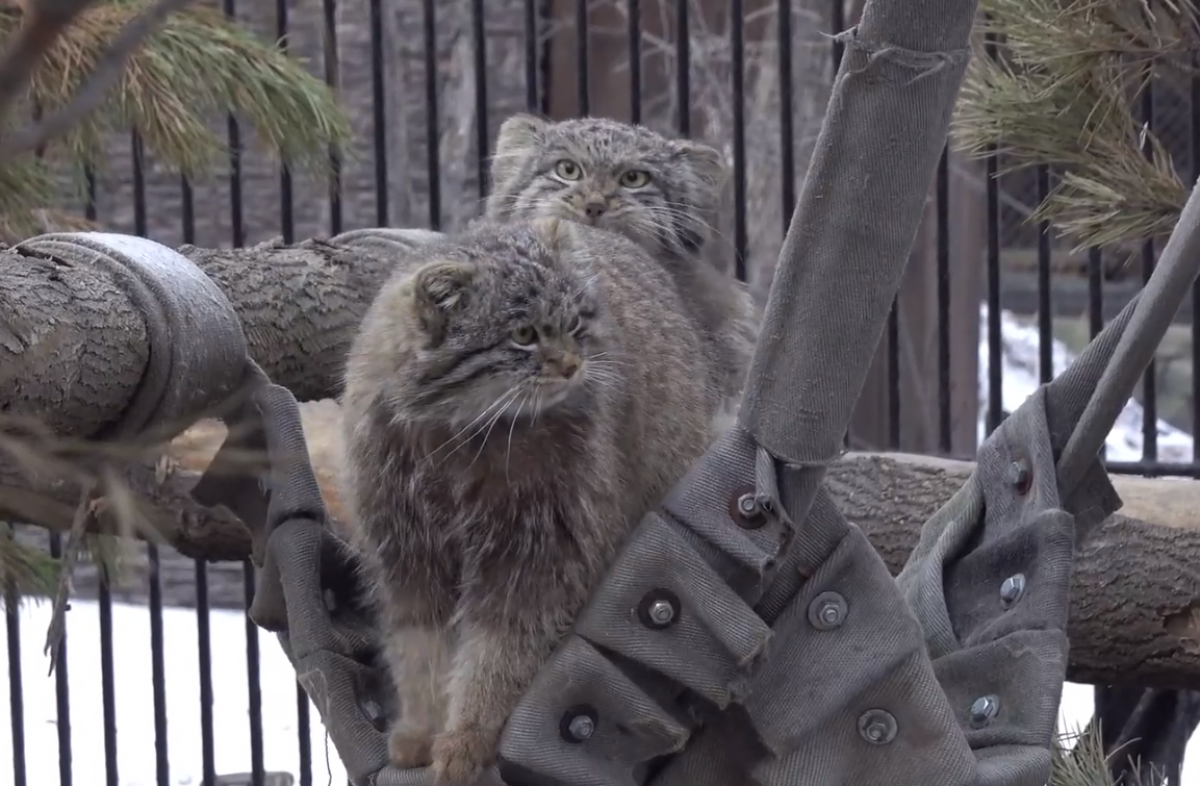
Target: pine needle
(198, 67)
(25, 570)
(1062, 96)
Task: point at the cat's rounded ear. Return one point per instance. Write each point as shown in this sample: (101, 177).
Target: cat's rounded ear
(518, 138)
(707, 162)
(439, 289)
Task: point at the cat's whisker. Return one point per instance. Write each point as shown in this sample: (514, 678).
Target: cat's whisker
(481, 416)
(511, 427)
(491, 425)
(508, 394)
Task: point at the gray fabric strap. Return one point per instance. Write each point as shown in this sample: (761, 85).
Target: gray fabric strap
(196, 340)
(854, 224)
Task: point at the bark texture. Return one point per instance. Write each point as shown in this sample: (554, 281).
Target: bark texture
(73, 347)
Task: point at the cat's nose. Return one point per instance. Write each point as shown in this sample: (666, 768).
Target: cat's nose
(594, 209)
(567, 365)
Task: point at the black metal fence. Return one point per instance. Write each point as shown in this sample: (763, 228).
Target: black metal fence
(537, 16)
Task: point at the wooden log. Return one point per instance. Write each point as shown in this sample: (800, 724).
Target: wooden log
(1135, 613)
(1135, 597)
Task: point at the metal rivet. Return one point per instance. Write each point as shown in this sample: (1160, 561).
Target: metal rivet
(661, 612)
(748, 506)
(1012, 589)
(984, 709)
(827, 611)
(578, 723)
(745, 508)
(1019, 475)
(877, 727)
(659, 609)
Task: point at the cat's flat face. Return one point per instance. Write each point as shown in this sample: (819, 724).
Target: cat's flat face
(619, 177)
(509, 339)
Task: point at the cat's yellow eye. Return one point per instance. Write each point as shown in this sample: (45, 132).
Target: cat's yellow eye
(568, 170)
(524, 336)
(635, 178)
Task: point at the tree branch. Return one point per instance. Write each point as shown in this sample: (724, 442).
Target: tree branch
(73, 348)
(1135, 598)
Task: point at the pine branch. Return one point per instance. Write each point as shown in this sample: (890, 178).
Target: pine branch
(1063, 97)
(26, 570)
(90, 94)
(198, 66)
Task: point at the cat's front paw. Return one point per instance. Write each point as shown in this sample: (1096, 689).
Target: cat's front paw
(410, 748)
(461, 755)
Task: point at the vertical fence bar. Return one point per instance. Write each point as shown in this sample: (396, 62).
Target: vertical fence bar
(16, 686)
(787, 157)
(531, 55)
(287, 221)
(1045, 304)
(203, 637)
(379, 113)
(253, 678)
(737, 51)
(1194, 129)
(162, 763)
(634, 33)
(481, 101)
(995, 369)
(1149, 386)
(1095, 292)
(545, 7)
(111, 776)
(332, 78)
(429, 28)
(62, 689)
(1096, 300)
(581, 57)
(162, 766)
(943, 302)
(683, 69)
(238, 236)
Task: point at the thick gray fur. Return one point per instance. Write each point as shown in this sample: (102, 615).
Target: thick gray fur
(669, 215)
(489, 491)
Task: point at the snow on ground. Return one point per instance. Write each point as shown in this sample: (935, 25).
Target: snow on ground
(131, 624)
(134, 700)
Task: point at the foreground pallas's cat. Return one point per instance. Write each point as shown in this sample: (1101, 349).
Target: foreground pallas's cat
(517, 398)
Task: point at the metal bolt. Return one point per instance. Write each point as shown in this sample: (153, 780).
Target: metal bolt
(984, 709)
(827, 611)
(581, 727)
(1018, 475)
(877, 727)
(662, 612)
(1012, 589)
(658, 609)
(748, 505)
